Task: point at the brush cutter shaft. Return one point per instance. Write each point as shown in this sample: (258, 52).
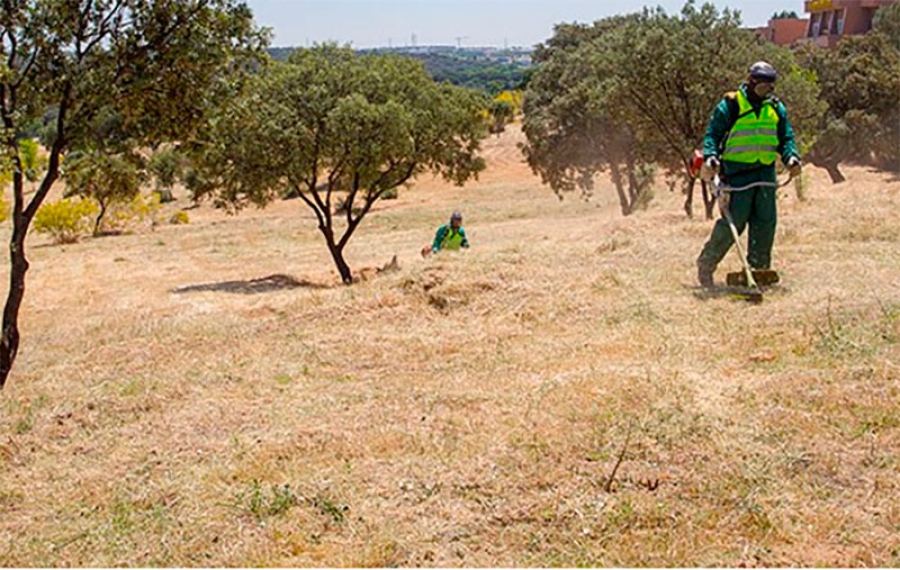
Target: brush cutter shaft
(747, 187)
(737, 243)
(723, 188)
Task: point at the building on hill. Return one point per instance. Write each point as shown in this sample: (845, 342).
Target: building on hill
(784, 31)
(830, 20)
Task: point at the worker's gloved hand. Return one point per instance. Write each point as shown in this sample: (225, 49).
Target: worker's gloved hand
(723, 198)
(709, 169)
(795, 167)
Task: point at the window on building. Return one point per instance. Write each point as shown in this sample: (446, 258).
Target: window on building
(826, 23)
(815, 21)
(868, 16)
(841, 14)
(835, 18)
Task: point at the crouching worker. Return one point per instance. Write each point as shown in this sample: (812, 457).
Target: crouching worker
(450, 236)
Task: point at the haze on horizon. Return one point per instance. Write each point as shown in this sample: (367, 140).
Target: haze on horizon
(499, 23)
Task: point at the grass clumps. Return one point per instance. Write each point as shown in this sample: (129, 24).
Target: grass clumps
(261, 503)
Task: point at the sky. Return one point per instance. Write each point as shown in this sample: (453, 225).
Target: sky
(500, 23)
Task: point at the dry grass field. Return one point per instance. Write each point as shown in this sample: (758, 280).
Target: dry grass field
(210, 395)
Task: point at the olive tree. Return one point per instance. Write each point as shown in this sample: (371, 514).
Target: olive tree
(571, 121)
(571, 133)
(644, 86)
(339, 130)
(165, 166)
(107, 179)
(887, 23)
(861, 88)
(156, 65)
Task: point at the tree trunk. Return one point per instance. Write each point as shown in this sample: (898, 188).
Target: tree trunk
(9, 345)
(21, 219)
(632, 182)
(337, 254)
(689, 200)
(834, 172)
(633, 189)
(99, 221)
(829, 163)
(616, 175)
(709, 200)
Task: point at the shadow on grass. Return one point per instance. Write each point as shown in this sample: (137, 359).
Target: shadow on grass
(277, 282)
(740, 294)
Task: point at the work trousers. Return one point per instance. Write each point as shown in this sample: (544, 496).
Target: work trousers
(755, 207)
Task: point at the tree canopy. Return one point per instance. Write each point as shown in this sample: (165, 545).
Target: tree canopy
(339, 130)
(785, 15)
(154, 67)
(861, 86)
(887, 23)
(634, 90)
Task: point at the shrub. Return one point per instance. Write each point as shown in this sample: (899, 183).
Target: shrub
(124, 215)
(5, 206)
(501, 113)
(165, 166)
(66, 220)
(179, 218)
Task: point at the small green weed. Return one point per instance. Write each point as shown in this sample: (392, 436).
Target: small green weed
(328, 507)
(857, 333)
(25, 423)
(261, 504)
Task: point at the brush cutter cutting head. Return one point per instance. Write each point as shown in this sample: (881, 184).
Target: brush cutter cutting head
(763, 278)
(749, 294)
(754, 297)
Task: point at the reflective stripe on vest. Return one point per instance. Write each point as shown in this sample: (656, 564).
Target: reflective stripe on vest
(753, 139)
(452, 241)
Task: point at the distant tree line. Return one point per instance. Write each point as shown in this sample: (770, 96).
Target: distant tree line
(464, 68)
(785, 15)
(492, 77)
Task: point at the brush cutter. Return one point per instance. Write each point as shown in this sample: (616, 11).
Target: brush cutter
(750, 279)
(753, 294)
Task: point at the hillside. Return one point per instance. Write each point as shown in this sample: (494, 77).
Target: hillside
(491, 70)
(210, 395)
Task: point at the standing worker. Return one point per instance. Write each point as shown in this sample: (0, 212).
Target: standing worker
(450, 236)
(749, 130)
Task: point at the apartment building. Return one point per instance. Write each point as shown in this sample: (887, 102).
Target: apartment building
(830, 20)
(784, 31)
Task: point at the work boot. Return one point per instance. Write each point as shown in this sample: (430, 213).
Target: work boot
(705, 275)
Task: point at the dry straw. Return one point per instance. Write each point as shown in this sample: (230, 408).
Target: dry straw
(559, 395)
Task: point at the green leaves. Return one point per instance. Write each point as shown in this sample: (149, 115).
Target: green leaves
(108, 76)
(639, 89)
(860, 87)
(329, 122)
(887, 23)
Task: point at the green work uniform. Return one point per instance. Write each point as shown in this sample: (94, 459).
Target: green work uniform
(449, 238)
(743, 165)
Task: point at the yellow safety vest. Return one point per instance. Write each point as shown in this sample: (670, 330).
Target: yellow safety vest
(452, 241)
(753, 138)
